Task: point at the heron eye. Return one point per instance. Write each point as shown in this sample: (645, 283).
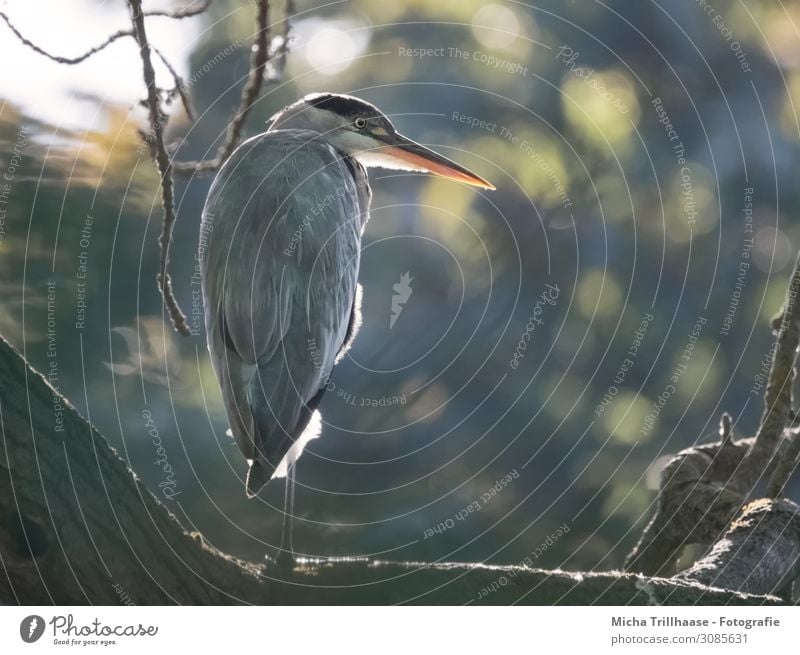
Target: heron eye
(360, 122)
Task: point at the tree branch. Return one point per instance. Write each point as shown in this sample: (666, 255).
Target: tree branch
(277, 55)
(781, 377)
(157, 121)
(759, 553)
(187, 12)
(787, 463)
(778, 395)
(77, 525)
(259, 58)
(705, 487)
(66, 60)
(695, 504)
(179, 85)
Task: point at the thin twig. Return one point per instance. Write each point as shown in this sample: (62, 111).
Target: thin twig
(187, 12)
(260, 57)
(725, 428)
(157, 120)
(66, 60)
(179, 84)
(277, 56)
(258, 61)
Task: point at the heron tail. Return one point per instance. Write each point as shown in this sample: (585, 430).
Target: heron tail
(257, 477)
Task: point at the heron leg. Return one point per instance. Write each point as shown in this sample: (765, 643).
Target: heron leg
(286, 551)
(290, 472)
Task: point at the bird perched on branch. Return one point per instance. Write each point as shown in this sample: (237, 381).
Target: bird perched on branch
(280, 251)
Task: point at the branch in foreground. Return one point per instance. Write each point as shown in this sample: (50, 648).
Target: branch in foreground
(778, 394)
(695, 504)
(701, 492)
(787, 460)
(703, 488)
(759, 553)
(76, 525)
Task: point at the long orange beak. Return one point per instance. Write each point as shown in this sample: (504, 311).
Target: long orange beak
(425, 159)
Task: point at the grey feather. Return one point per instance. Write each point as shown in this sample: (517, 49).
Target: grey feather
(279, 273)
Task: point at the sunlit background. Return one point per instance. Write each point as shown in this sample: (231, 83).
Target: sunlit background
(645, 162)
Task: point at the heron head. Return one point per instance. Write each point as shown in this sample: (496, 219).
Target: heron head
(361, 130)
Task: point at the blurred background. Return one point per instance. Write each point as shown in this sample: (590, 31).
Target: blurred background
(556, 338)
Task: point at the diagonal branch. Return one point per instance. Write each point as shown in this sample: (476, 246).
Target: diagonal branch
(179, 88)
(778, 395)
(258, 61)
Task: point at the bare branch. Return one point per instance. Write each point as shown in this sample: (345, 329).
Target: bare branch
(725, 428)
(157, 121)
(785, 466)
(258, 60)
(179, 85)
(255, 79)
(190, 168)
(66, 60)
(260, 57)
(277, 54)
(696, 502)
(758, 554)
(187, 12)
(704, 487)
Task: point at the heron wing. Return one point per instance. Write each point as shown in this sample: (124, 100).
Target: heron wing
(282, 227)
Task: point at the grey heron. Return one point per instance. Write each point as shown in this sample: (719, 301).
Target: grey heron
(280, 247)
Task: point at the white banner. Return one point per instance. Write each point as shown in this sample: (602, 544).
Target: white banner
(401, 630)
